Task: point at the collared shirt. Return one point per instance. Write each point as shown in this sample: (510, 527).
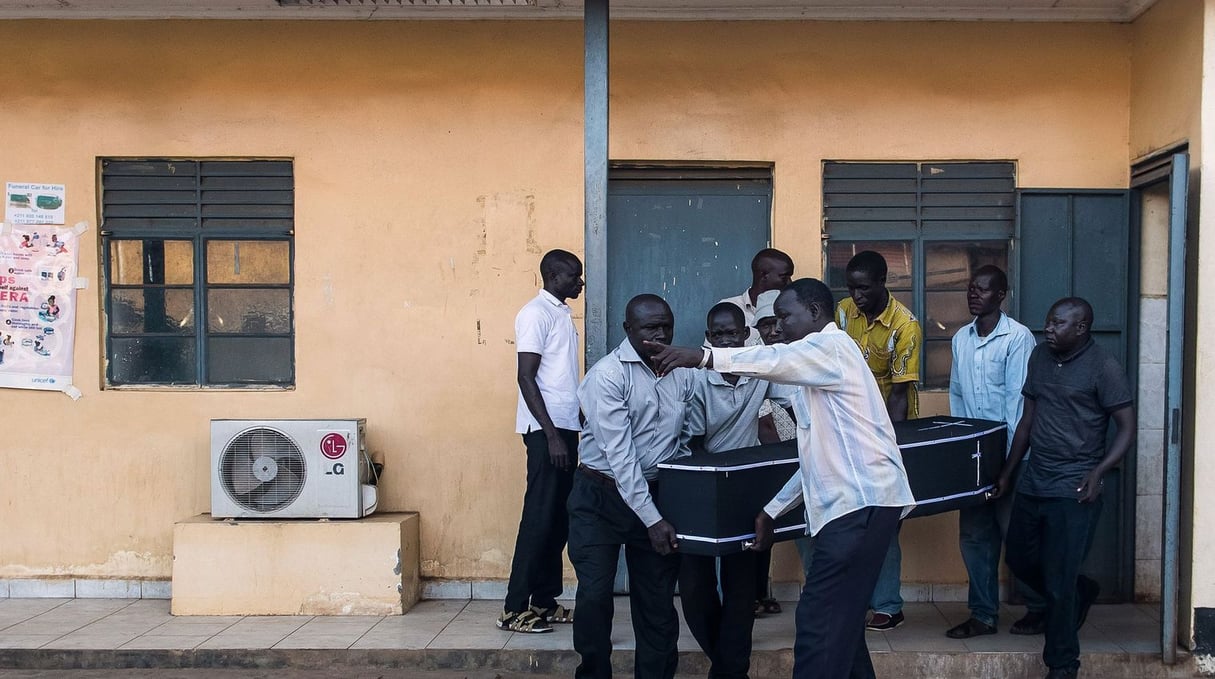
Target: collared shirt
(988, 372)
(728, 414)
(748, 307)
(849, 458)
(1074, 396)
(890, 344)
(634, 421)
(545, 326)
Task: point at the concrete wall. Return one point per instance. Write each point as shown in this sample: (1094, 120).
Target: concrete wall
(434, 162)
(1166, 74)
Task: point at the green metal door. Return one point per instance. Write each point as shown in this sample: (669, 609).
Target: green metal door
(688, 240)
(1076, 243)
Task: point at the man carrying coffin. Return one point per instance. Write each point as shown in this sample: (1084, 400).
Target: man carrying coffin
(725, 411)
(851, 476)
(635, 419)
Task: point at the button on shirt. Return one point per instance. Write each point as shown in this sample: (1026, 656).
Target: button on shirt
(728, 414)
(545, 326)
(846, 447)
(634, 421)
(988, 373)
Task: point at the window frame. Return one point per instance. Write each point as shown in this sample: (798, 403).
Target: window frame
(919, 237)
(199, 236)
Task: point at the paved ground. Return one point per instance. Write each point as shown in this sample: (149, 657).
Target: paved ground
(457, 639)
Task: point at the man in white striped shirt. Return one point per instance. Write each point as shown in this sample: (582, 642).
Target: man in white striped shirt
(851, 475)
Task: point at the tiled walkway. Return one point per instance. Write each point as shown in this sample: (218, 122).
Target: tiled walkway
(456, 625)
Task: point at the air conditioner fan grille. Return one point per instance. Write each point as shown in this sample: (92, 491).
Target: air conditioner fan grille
(262, 470)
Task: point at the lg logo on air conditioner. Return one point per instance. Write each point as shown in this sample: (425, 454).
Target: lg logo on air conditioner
(333, 446)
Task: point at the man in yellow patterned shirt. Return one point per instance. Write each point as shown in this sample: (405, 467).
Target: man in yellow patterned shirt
(891, 340)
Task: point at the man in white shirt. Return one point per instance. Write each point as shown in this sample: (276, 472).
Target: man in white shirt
(635, 419)
(990, 356)
(851, 475)
(547, 416)
(771, 269)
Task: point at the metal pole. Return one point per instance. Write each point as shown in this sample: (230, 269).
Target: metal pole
(1178, 188)
(595, 144)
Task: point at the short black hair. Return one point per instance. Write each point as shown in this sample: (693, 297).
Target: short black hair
(553, 259)
(731, 308)
(810, 291)
(1078, 303)
(770, 253)
(998, 278)
(869, 262)
(630, 309)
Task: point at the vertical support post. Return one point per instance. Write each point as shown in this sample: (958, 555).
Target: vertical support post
(1174, 364)
(595, 145)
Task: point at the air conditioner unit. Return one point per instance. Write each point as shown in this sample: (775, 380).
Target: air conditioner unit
(290, 469)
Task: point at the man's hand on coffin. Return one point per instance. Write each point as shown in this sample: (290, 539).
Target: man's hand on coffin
(1002, 485)
(663, 538)
(558, 453)
(1090, 490)
(667, 358)
(764, 530)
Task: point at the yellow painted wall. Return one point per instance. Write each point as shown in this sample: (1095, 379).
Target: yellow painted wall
(434, 162)
(1167, 43)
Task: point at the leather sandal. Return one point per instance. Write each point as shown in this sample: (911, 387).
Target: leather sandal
(526, 622)
(556, 615)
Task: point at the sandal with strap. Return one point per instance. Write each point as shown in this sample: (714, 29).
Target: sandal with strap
(556, 615)
(769, 605)
(526, 622)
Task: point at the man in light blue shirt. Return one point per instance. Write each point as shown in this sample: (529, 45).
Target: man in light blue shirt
(635, 419)
(990, 355)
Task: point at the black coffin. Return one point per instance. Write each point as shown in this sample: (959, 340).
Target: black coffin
(712, 498)
(951, 462)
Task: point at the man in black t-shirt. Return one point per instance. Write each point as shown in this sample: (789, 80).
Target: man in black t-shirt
(1072, 389)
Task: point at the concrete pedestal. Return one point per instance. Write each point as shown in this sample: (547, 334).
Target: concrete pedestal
(296, 567)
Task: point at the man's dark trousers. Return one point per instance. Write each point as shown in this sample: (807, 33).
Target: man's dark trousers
(535, 570)
(722, 626)
(848, 555)
(1048, 539)
(600, 522)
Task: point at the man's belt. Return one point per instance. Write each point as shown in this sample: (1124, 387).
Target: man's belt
(603, 479)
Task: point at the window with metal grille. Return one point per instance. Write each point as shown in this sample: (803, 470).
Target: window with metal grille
(198, 258)
(935, 223)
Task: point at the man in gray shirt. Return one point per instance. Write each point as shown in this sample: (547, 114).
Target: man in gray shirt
(726, 412)
(634, 420)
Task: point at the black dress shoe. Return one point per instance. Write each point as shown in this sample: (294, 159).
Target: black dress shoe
(970, 628)
(1061, 673)
(1033, 623)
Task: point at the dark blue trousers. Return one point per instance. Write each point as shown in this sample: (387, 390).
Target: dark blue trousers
(600, 522)
(535, 570)
(721, 624)
(1048, 539)
(848, 554)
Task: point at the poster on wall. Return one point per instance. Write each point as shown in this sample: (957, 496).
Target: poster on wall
(29, 204)
(38, 306)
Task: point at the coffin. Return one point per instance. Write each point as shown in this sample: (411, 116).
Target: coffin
(712, 498)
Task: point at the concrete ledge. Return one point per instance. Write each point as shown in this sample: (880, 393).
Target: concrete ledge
(764, 664)
(83, 588)
(305, 567)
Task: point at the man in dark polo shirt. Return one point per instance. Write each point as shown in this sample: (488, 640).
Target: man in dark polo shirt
(1073, 388)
